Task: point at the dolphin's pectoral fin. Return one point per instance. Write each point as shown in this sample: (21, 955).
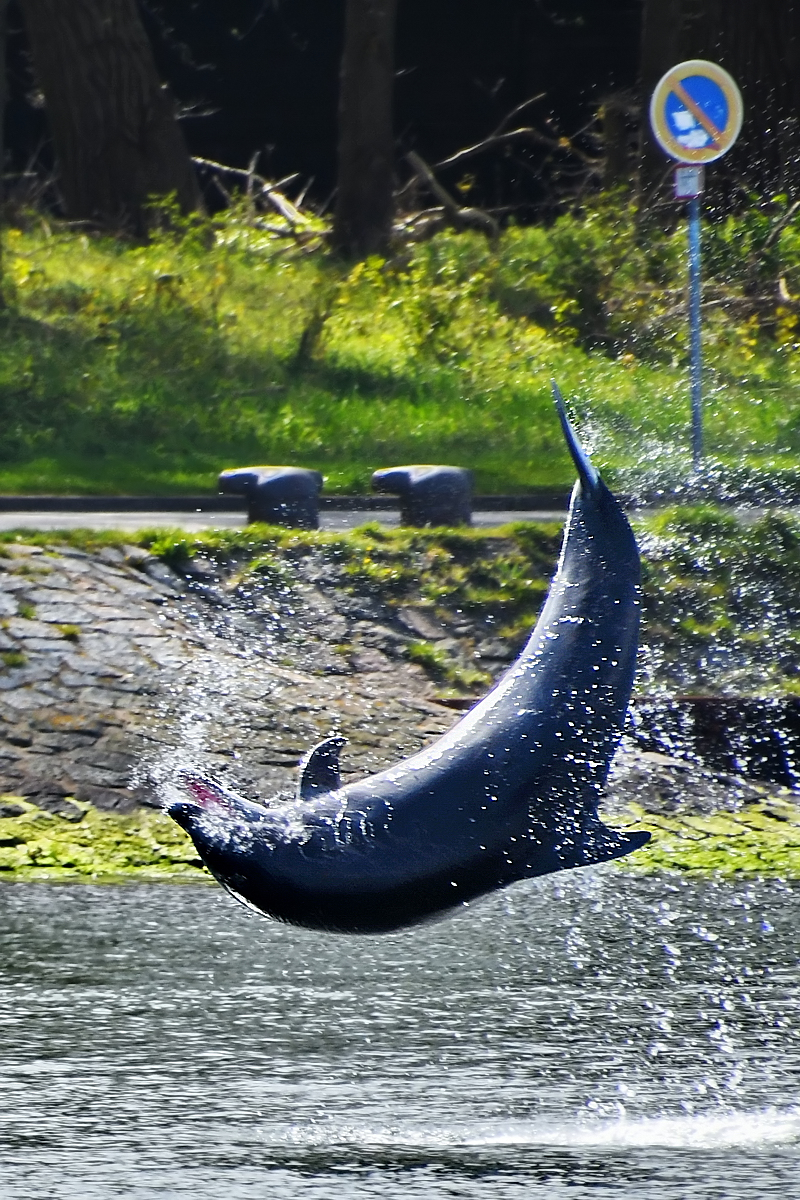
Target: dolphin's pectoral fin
(587, 473)
(319, 770)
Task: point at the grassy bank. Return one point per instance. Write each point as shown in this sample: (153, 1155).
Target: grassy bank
(148, 368)
(720, 596)
(719, 605)
(759, 841)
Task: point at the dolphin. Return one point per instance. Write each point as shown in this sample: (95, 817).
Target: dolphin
(510, 792)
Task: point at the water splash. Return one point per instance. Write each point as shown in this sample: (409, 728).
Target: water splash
(714, 1131)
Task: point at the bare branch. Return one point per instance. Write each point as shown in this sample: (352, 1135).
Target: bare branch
(499, 139)
(458, 216)
(301, 236)
(304, 192)
(245, 173)
(418, 226)
(515, 113)
(283, 204)
(268, 191)
(223, 191)
(779, 226)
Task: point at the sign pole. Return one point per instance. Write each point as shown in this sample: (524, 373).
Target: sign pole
(695, 284)
(696, 114)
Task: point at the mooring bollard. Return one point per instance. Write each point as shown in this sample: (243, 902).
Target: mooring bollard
(429, 495)
(277, 495)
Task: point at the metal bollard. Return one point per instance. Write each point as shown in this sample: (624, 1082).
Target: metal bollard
(277, 495)
(429, 495)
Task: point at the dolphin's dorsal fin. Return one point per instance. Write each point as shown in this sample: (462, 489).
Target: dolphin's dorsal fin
(319, 770)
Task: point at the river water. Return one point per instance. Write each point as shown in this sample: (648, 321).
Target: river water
(587, 1035)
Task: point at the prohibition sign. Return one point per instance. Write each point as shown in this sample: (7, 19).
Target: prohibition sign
(696, 112)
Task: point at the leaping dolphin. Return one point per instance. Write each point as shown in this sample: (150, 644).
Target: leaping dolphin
(510, 792)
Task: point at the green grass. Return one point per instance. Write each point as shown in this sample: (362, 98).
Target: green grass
(719, 606)
(440, 666)
(129, 368)
(720, 602)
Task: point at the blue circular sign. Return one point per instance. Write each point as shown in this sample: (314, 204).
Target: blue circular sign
(696, 112)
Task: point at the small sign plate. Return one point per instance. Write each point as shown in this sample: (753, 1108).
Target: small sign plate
(689, 182)
(696, 112)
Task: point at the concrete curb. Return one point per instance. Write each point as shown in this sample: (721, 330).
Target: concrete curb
(534, 502)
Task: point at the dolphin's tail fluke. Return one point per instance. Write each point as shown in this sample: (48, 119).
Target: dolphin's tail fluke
(588, 475)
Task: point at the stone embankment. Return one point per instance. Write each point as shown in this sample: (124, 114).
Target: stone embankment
(116, 670)
(82, 640)
(112, 661)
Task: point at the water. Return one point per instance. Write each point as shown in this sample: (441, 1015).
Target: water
(588, 1035)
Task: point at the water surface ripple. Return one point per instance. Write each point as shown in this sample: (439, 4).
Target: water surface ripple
(582, 1036)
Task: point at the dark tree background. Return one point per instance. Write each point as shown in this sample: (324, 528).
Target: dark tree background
(263, 75)
(758, 41)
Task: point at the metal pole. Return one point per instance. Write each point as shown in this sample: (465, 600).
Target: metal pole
(694, 321)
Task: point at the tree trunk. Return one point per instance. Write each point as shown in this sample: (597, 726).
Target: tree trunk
(364, 204)
(617, 114)
(3, 92)
(113, 123)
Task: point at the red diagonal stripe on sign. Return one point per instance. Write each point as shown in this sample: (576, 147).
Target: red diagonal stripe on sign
(697, 112)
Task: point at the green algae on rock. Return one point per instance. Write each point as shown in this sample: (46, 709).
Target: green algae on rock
(757, 841)
(37, 845)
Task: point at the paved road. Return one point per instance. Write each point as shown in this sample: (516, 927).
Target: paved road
(332, 519)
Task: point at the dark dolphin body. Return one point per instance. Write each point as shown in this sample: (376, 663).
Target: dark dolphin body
(509, 792)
